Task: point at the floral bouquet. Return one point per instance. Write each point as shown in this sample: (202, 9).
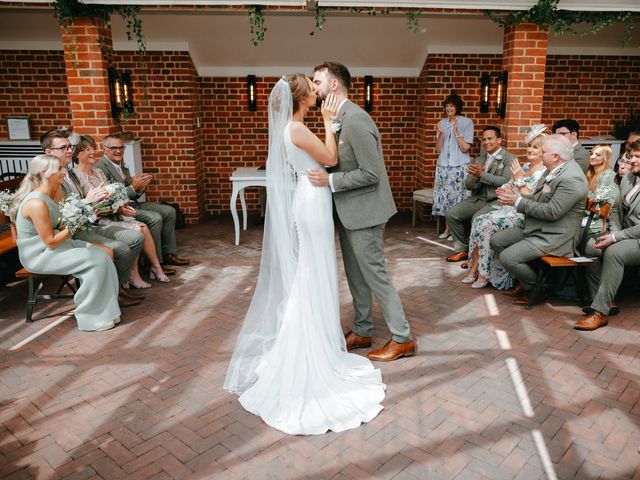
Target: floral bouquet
(602, 195)
(76, 213)
(6, 197)
(117, 198)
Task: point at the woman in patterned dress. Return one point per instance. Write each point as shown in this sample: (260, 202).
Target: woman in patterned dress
(484, 266)
(454, 137)
(84, 158)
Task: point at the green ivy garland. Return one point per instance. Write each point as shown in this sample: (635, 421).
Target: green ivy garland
(256, 22)
(320, 20)
(545, 13)
(412, 21)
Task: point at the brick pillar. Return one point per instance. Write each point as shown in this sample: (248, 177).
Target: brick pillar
(524, 57)
(87, 78)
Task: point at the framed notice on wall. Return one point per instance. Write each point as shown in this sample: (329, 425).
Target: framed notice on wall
(18, 128)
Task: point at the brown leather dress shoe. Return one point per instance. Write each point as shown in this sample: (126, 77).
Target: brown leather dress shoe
(171, 259)
(136, 295)
(592, 321)
(516, 291)
(393, 350)
(356, 341)
(127, 302)
(457, 257)
(464, 264)
(167, 270)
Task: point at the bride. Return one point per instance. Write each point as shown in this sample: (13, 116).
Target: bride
(290, 364)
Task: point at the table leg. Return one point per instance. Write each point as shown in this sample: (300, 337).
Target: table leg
(234, 213)
(244, 209)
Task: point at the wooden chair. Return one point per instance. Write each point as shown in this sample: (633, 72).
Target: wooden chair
(550, 263)
(423, 196)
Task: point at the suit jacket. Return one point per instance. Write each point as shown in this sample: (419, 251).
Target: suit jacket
(554, 211)
(625, 221)
(581, 155)
(113, 176)
(362, 194)
(484, 188)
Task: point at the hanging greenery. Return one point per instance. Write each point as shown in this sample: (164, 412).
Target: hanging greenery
(545, 13)
(412, 20)
(66, 11)
(256, 22)
(320, 20)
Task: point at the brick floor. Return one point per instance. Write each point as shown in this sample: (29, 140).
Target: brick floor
(145, 400)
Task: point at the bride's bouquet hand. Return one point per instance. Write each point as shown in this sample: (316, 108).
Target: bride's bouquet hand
(329, 107)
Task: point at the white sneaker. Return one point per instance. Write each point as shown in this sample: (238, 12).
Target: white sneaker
(442, 236)
(450, 238)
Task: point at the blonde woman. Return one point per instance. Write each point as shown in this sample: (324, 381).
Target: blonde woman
(602, 179)
(46, 247)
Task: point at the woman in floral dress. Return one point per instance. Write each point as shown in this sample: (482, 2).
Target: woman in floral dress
(602, 186)
(484, 266)
(89, 177)
(454, 137)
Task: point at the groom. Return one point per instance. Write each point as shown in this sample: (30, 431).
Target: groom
(363, 203)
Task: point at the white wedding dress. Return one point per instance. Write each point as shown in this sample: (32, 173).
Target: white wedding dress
(306, 382)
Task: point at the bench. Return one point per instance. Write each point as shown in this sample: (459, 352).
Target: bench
(36, 282)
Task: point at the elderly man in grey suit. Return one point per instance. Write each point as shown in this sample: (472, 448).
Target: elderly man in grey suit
(363, 203)
(617, 249)
(487, 172)
(571, 130)
(125, 244)
(552, 216)
(160, 218)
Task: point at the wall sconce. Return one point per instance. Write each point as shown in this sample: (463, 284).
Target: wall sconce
(485, 86)
(501, 93)
(368, 93)
(252, 97)
(120, 92)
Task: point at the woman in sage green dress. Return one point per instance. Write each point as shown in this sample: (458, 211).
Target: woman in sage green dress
(45, 249)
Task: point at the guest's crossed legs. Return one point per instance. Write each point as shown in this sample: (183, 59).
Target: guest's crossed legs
(459, 219)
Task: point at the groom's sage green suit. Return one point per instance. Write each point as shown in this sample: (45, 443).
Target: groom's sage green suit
(363, 203)
(605, 276)
(552, 216)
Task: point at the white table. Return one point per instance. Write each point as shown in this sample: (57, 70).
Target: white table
(240, 179)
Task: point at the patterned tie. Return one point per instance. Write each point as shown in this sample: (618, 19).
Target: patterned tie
(487, 164)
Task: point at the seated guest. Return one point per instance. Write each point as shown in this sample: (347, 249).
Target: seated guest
(484, 174)
(91, 177)
(124, 243)
(552, 216)
(600, 178)
(624, 168)
(484, 267)
(47, 248)
(571, 130)
(160, 218)
(633, 136)
(617, 249)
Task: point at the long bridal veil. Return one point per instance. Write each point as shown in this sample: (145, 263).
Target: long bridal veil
(279, 252)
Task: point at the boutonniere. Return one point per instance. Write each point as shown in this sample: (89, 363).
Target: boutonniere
(549, 178)
(336, 126)
(498, 157)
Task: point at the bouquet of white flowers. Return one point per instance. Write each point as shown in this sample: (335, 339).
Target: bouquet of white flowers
(6, 197)
(76, 213)
(602, 195)
(117, 197)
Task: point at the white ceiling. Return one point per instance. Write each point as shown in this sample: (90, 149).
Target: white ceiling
(381, 45)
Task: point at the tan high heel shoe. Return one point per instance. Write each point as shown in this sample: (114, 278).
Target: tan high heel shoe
(138, 283)
(159, 276)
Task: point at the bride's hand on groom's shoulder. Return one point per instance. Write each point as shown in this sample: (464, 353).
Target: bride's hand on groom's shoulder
(329, 107)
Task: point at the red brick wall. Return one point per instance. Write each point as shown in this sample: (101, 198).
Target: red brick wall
(233, 137)
(193, 164)
(165, 120)
(595, 90)
(34, 83)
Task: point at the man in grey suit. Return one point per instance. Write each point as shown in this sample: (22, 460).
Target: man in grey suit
(160, 218)
(570, 128)
(487, 172)
(125, 244)
(552, 216)
(617, 249)
(363, 203)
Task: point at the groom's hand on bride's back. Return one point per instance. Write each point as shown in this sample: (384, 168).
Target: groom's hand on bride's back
(318, 177)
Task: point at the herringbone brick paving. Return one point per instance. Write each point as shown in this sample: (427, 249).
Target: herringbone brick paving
(495, 391)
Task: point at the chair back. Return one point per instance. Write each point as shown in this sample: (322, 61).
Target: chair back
(593, 209)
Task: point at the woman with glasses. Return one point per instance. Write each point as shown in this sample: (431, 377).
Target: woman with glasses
(46, 247)
(624, 168)
(90, 177)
